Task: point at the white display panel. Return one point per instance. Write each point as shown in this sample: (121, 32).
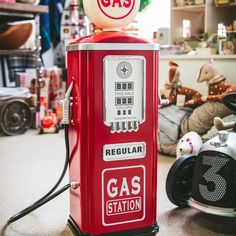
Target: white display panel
(124, 92)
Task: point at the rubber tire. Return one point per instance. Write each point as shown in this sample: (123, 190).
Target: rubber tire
(228, 101)
(28, 119)
(179, 180)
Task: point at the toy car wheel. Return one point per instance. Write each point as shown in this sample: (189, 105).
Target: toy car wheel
(15, 117)
(41, 131)
(57, 128)
(230, 101)
(179, 180)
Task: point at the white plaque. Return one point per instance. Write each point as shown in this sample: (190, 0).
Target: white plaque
(124, 151)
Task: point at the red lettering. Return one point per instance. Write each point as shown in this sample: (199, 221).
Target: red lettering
(116, 2)
(106, 3)
(127, 3)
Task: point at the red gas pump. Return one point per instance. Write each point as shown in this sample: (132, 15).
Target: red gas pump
(113, 126)
(110, 118)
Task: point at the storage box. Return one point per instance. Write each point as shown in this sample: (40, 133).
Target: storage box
(199, 2)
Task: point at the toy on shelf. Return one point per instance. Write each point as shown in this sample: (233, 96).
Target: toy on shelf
(190, 143)
(217, 85)
(206, 181)
(74, 24)
(49, 123)
(175, 92)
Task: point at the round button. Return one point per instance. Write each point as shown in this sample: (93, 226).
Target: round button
(124, 70)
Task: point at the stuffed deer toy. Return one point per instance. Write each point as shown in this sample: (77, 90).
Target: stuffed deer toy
(173, 88)
(217, 85)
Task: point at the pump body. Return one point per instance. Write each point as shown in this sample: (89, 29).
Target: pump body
(112, 135)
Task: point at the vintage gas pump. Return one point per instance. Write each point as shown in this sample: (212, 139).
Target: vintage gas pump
(113, 126)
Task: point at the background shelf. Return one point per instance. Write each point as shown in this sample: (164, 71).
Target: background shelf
(193, 8)
(16, 52)
(23, 8)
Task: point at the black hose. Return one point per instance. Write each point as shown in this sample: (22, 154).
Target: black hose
(48, 196)
(36, 206)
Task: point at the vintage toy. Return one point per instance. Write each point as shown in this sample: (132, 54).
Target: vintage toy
(174, 91)
(206, 181)
(218, 87)
(190, 143)
(15, 111)
(49, 124)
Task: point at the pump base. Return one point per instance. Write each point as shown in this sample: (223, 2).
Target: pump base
(147, 231)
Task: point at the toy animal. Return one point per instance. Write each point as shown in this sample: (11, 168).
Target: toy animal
(173, 88)
(190, 143)
(218, 87)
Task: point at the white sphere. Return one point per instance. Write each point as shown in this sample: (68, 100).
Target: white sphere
(111, 14)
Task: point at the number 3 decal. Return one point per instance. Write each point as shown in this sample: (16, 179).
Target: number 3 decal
(215, 163)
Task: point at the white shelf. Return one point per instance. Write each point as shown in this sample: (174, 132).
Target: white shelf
(192, 8)
(198, 57)
(227, 5)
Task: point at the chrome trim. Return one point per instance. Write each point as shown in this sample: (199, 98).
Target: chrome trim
(229, 147)
(112, 46)
(228, 212)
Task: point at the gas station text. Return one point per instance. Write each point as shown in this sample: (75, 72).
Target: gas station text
(123, 206)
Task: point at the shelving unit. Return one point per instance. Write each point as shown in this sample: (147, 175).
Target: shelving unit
(204, 18)
(193, 8)
(21, 11)
(21, 8)
(16, 51)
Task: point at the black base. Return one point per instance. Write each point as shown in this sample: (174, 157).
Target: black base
(147, 231)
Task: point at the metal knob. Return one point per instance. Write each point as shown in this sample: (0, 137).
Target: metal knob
(223, 136)
(164, 101)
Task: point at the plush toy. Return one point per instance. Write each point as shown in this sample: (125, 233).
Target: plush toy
(173, 88)
(190, 143)
(217, 85)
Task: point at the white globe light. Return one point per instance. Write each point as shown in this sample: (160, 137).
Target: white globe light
(111, 14)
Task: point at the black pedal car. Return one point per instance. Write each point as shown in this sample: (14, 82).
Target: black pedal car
(207, 181)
